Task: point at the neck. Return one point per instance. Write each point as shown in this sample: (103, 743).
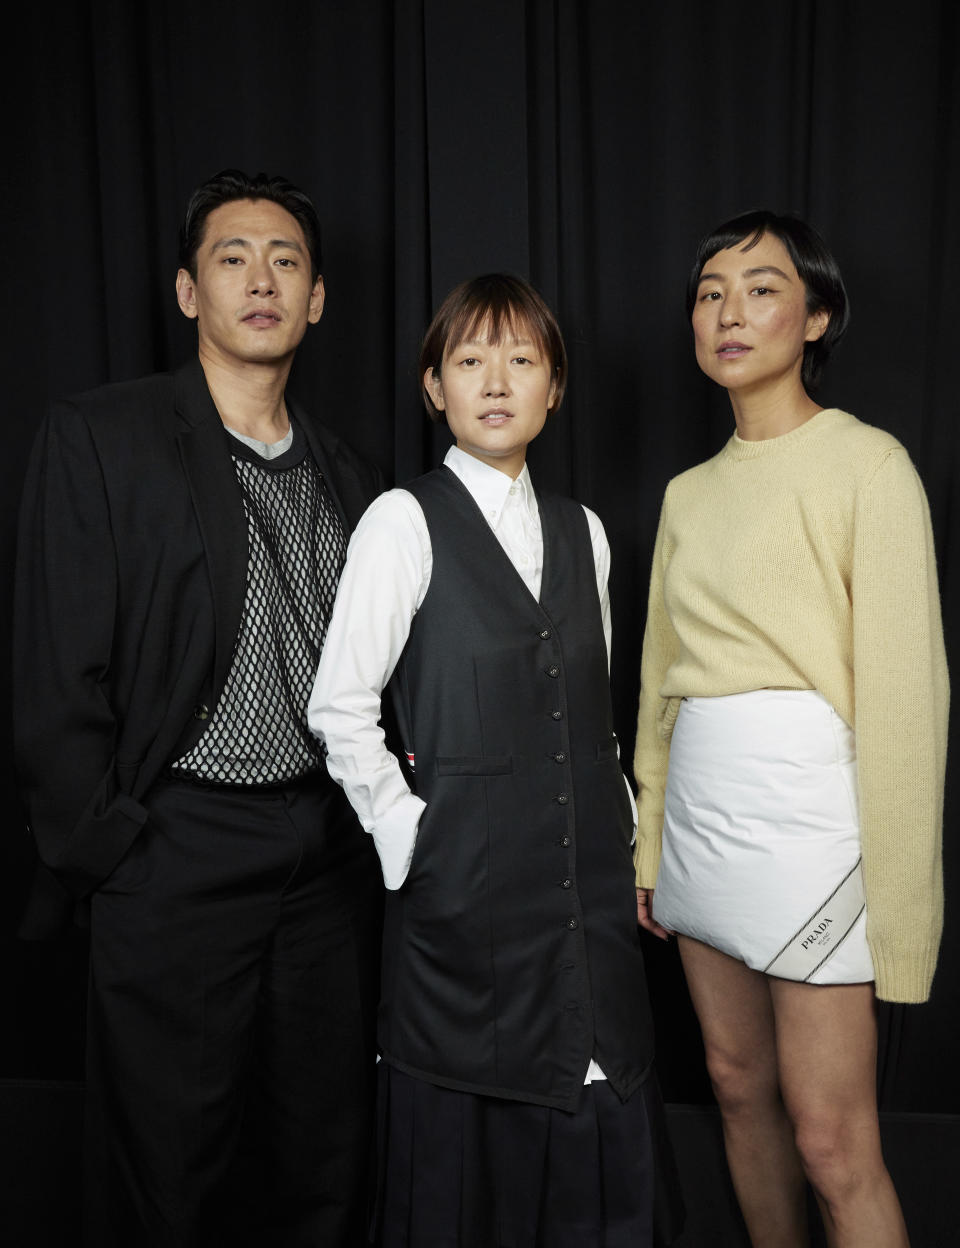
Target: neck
(510, 465)
(249, 397)
(771, 412)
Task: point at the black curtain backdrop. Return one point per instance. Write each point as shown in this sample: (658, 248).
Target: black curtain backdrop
(586, 145)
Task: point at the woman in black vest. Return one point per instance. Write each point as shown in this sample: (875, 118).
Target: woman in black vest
(517, 1095)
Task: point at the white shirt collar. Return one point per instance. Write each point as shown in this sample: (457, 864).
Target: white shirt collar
(489, 487)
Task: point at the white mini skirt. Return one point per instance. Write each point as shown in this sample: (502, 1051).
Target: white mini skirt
(761, 840)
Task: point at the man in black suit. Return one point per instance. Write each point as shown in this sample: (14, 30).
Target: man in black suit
(181, 541)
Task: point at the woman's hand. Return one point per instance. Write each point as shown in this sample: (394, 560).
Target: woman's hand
(645, 914)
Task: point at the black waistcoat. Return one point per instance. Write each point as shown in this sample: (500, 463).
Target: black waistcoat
(511, 953)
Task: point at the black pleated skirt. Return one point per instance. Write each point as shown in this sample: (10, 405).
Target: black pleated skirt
(458, 1170)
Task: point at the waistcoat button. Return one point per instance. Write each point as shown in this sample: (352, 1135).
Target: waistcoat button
(572, 924)
(553, 671)
(559, 757)
(562, 798)
(566, 883)
(545, 634)
(565, 842)
(556, 714)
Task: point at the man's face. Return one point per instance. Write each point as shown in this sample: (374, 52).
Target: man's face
(253, 295)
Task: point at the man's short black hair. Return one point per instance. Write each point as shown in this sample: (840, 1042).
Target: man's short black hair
(231, 184)
(815, 266)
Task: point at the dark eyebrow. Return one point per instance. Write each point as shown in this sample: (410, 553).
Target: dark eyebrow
(755, 272)
(288, 243)
(767, 268)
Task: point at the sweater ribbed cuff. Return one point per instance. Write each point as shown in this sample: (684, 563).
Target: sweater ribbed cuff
(904, 977)
(646, 861)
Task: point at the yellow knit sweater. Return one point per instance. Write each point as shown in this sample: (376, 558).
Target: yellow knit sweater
(806, 562)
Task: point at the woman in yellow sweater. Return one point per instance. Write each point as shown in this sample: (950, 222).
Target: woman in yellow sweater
(791, 742)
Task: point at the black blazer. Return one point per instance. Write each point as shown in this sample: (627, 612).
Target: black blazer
(130, 584)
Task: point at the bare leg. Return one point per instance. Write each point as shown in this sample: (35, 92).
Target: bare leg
(736, 1016)
(827, 1058)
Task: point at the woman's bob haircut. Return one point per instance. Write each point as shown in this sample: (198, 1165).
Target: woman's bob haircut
(813, 261)
(495, 305)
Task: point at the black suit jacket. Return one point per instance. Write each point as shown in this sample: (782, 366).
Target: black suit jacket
(130, 584)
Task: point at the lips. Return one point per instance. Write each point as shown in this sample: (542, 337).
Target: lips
(732, 350)
(496, 416)
(261, 316)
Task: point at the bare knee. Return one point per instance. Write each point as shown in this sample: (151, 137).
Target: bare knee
(840, 1153)
(743, 1084)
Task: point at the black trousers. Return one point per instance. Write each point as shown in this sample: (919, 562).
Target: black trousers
(230, 1064)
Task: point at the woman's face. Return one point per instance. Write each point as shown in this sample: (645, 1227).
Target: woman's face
(495, 395)
(750, 321)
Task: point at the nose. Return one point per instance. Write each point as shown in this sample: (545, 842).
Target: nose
(260, 279)
(731, 311)
(495, 383)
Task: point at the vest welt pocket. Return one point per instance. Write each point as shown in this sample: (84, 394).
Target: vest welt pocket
(607, 749)
(475, 765)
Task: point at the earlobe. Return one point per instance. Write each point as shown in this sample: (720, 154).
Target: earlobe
(186, 294)
(433, 387)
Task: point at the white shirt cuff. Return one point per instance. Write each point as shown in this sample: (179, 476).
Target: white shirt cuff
(395, 835)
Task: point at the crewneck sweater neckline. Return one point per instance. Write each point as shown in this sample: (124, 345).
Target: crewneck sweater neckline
(740, 448)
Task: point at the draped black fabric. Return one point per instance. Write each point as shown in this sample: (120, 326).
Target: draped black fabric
(583, 143)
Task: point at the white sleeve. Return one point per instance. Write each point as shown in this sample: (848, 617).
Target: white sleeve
(384, 581)
(601, 561)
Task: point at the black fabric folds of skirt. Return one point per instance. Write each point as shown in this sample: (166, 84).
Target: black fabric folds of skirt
(459, 1170)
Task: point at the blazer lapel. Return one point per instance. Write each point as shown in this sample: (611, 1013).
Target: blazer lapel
(218, 505)
(344, 488)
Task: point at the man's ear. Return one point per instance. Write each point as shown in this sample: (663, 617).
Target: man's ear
(431, 383)
(317, 296)
(186, 294)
